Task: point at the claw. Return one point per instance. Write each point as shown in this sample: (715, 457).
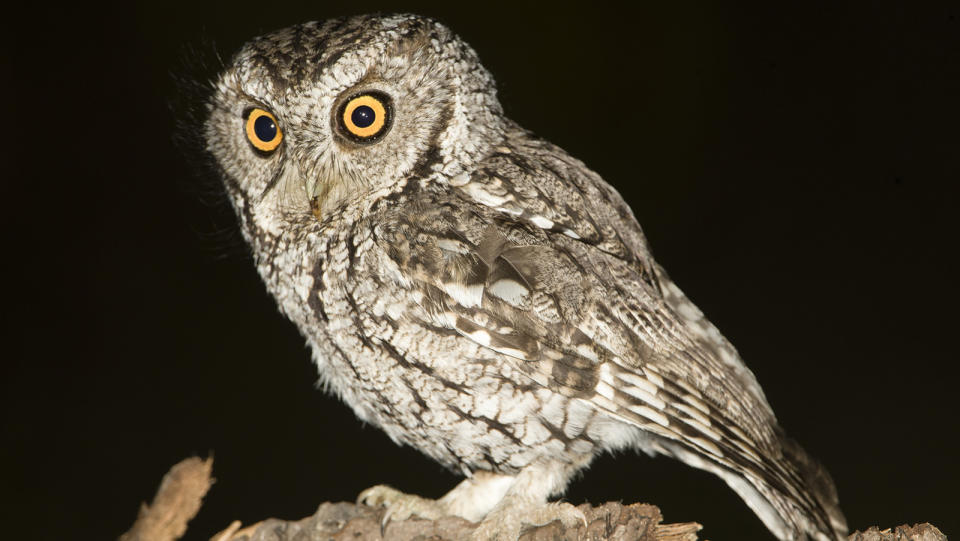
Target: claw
(399, 506)
(378, 495)
(387, 517)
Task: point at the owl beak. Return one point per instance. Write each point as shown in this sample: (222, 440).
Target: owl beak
(315, 191)
(315, 208)
(328, 190)
(319, 191)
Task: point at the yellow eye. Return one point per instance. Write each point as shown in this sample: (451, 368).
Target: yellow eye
(262, 130)
(366, 117)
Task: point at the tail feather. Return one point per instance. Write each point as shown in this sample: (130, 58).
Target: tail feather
(794, 497)
(817, 479)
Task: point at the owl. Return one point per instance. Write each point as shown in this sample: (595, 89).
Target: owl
(474, 291)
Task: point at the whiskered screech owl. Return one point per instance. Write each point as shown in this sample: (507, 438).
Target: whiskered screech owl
(474, 291)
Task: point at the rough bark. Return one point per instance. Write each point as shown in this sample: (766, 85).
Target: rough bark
(182, 490)
(917, 532)
(343, 521)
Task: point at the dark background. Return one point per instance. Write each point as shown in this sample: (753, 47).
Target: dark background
(794, 169)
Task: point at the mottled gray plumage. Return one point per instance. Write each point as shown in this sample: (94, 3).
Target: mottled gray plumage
(475, 291)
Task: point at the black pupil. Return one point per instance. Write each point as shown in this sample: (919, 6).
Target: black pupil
(363, 116)
(265, 129)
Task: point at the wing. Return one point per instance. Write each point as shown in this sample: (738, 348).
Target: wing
(584, 259)
(537, 258)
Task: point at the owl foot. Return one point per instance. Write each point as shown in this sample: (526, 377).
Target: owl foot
(506, 522)
(401, 506)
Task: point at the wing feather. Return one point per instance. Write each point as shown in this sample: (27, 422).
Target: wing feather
(583, 309)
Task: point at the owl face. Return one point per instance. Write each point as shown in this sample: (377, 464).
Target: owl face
(312, 118)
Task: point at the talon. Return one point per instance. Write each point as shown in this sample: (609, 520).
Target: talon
(578, 518)
(399, 506)
(387, 517)
(378, 495)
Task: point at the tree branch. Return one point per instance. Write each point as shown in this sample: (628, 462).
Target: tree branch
(177, 501)
(182, 490)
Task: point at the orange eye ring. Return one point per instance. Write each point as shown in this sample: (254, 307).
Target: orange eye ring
(263, 130)
(366, 117)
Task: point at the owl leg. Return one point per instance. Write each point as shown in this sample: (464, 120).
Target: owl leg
(472, 499)
(502, 504)
(525, 504)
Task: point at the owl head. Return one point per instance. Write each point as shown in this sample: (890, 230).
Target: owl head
(310, 119)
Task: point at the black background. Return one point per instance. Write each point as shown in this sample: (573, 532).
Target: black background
(793, 168)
